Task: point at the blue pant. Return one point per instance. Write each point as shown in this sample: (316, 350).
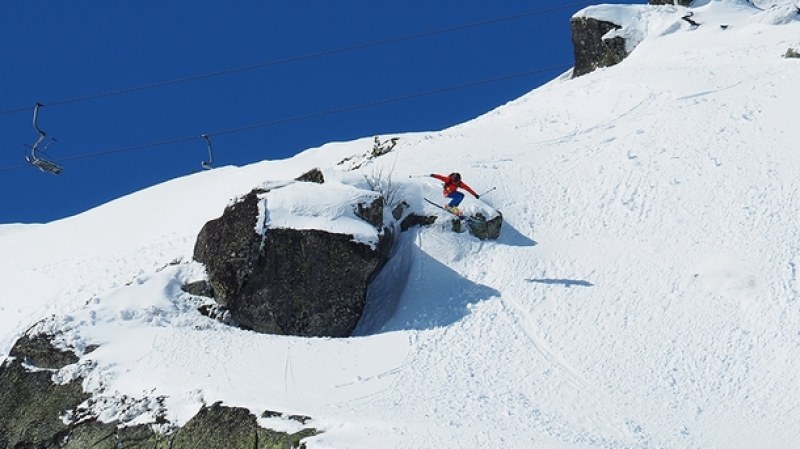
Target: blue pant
(455, 198)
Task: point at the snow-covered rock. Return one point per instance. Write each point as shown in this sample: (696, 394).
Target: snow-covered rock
(643, 293)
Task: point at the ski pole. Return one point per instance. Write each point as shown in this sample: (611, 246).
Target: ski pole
(488, 191)
(418, 176)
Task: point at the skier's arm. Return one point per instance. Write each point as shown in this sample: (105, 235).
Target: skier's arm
(468, 189)
(439, 177)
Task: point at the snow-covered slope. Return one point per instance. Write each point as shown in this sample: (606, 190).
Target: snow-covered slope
(645, 291)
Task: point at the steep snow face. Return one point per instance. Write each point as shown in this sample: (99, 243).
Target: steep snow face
(645, 291)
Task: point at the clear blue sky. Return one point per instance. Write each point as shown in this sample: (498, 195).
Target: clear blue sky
(69, 55)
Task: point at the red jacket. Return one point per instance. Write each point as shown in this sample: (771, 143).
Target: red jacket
(450, 186)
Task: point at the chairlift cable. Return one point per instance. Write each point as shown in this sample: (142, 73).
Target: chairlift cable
(304, 57)
(339, 110)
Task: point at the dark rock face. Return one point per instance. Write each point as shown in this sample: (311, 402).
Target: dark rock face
(199, 288)
(37, 351)
(671, 2)
(371, 213)
(486, 229)
(477, 225)
(229, 247)
(290, 282)
(307, 283)
(96, 435)
(591, 50)
(219, 427)
(313, 175)
(31, 406)
(412, 220)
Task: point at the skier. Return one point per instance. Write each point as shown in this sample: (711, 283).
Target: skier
(452, 183)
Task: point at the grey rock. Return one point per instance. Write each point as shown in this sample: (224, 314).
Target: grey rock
(485, 229)
(671, 2)
(229, 247)
(97, 435)
(31, 405)
(412, 220)
(199, 288)
(591, 50)
(372, 213)
(307, 283)
(313, 175)
(290, 282)
(220, 427)
(39, 352)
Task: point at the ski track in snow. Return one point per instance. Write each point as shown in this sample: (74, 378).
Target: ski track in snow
(643, 293)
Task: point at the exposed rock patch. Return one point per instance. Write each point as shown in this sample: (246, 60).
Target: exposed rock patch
(313, 175)
(591, 50)
(229, 247)
(32, 408)
(671, 2)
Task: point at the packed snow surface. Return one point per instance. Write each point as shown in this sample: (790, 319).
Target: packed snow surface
(644, 292)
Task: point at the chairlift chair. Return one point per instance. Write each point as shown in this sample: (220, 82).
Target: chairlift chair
(207, 164)
(39, 162)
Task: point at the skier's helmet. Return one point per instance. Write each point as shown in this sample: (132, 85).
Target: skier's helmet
(455, 177)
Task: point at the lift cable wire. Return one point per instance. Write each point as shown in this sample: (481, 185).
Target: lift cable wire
(311, 115)
(304, 57)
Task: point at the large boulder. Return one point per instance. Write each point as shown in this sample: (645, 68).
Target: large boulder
(591, 50)
(308, 283)
(305, 282)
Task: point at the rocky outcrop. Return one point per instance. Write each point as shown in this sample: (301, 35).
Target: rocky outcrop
(219, 427)
(412, 220)
(308, 283)
(478, 225)
(32, 407)
(485, 229)
(290, 281)
(230, 247)
(671, 2)
(313, 175)
(591, 50)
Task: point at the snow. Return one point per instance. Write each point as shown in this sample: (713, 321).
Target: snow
(327, 207)
(644, 291)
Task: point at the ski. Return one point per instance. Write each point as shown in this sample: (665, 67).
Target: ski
(460, 217)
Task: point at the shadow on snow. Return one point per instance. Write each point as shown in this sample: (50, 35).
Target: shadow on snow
(414, 291)
(569, 283)
(509, 236)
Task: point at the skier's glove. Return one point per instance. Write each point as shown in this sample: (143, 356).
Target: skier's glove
(477, 197)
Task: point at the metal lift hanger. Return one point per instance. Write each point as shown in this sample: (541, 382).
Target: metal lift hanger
(39, 162)
(207, 164)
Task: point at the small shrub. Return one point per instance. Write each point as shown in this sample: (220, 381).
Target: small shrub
(383, 184)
